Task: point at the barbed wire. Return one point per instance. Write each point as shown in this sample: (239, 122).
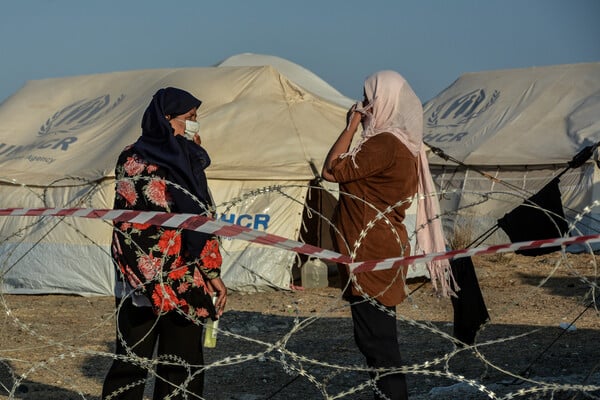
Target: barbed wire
(317, 372)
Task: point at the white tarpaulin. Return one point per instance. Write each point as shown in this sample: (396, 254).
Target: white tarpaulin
(60, 138)
(520, 127)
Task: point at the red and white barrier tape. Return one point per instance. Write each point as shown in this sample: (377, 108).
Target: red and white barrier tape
(192, 222)
(226, 229)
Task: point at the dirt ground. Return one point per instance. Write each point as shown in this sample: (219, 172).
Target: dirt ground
(299, 345)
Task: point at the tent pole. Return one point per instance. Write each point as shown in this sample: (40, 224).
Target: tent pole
(315, 171)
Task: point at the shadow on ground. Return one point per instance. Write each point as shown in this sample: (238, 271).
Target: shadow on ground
(260, 356)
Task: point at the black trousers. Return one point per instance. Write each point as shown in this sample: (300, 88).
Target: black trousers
(142, 330)
(375, 333)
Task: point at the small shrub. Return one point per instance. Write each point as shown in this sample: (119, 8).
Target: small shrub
(462, 235)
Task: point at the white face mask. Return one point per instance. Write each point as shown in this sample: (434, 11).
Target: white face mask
(191, 128)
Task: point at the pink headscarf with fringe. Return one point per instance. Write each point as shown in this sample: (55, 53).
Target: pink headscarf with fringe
(396, 109)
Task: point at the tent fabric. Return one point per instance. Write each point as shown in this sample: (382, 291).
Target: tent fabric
(515, 130)
(530, 116)
(300, 75)
(266, 133)
(254, 109)
(259, 127)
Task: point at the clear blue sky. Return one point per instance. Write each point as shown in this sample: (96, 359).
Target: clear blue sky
(430, 42)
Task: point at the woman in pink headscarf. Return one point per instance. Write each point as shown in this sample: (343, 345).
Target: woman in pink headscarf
(378, 178)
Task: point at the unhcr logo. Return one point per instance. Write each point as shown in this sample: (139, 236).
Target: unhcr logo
(78, 115)
(72, 118)
(458, 110)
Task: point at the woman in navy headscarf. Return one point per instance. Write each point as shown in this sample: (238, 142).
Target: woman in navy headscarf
(166, 276)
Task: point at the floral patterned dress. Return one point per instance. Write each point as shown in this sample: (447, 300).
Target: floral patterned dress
(154, 260)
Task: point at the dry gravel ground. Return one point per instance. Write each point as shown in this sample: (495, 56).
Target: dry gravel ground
(59, 347)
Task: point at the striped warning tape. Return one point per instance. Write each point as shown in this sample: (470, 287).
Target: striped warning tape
(205, 224)
(192, 222)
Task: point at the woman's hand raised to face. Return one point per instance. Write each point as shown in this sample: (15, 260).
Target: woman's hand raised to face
(354, 121)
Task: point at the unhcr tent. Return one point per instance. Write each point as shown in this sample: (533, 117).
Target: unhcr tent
(508, 133)
(267, 130)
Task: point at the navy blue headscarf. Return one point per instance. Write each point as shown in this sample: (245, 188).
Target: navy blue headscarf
(184, 160)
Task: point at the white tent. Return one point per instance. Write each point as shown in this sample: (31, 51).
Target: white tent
(267, 133)
(520, 127)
